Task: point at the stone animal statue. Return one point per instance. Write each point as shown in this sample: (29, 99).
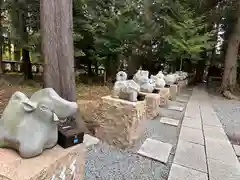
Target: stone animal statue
(142, 78)
(182, 75)
(160, 75)
(121, 76)
(60, 106)
(32, 126)
(127, 90)
(170, 79)
(159, 82)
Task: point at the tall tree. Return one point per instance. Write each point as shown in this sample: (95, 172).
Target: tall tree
(57, 46)
(229, 81)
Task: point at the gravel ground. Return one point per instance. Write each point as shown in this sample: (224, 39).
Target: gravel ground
(228, 111)
(104, 162)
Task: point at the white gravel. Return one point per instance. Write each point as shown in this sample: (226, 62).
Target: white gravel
(228, 112)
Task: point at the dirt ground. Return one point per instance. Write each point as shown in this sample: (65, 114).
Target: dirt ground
(88, 97)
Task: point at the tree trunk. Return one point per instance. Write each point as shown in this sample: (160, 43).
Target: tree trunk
(1, 37)
(9, 50)
(229, 80)
(200, 68)
(27, 65)
(89, 66)
(17, 53)
(57, 46)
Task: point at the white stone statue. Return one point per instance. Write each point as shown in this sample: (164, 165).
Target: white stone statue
(31, 125)
(170, 79)
(182, 75)
(142, 79)
(127, 90)
(130, 91)
(159, 82)
(160, 75)
(121, 76)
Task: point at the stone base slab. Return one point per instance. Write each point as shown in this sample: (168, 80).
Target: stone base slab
(55, 162)
(121, 122)
(153, 102)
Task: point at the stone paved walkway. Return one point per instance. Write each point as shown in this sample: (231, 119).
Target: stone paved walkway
(203, 151)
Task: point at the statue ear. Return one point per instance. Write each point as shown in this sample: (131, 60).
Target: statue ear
(29, 106)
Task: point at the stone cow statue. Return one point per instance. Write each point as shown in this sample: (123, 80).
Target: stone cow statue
(142, 79)
(121, 76)
(31, 126)
(127, 90)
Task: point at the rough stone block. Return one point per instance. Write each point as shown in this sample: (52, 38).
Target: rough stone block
(121, 122)
(164, 96)
(152, 104)
(182, 173)
(191, 135)
(88, 110)
(181, 85)
(173, 91)
(52, 163)
(191, 156)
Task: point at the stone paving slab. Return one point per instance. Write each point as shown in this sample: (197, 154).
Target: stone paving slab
(182, 100)
(171, 114)
(220, 150)
(90, 140)
(156, 150)
(191, 135)
(169, 121)
(221, 171)
(176, 108)
(191, 156)
(192, 122)
(237, 149)
(210, 119)
(213, 132)
(192, 111)
(182, 173)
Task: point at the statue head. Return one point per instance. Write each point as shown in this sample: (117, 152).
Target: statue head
(40, 110)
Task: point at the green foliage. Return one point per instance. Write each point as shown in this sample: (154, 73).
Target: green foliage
(107, 32)
(188, 38)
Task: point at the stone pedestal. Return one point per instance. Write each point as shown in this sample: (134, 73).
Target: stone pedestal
(181, 84)
(152, 103)
(52, 163)
(121, 122)
(164, 96)
(173, 91)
